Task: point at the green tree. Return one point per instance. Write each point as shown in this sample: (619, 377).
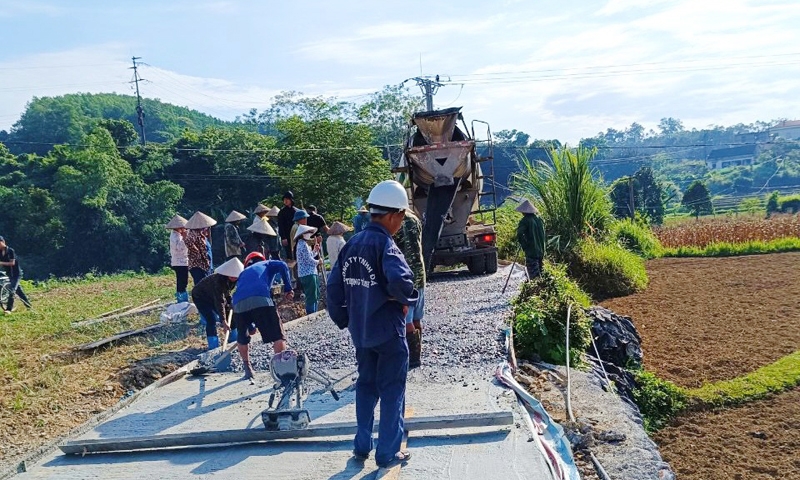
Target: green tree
(387, 114)
(772, 202)
(697, 199)
(327, 162)
(122, 131)
(222, 168)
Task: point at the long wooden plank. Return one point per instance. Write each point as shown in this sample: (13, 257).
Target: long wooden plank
(256, 435)
(119, 336)
(393, 473)
(108, 315)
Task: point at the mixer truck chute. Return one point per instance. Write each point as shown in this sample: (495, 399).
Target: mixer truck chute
(451, 188)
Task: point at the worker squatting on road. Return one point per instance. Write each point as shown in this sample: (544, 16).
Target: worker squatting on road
(409, 240)
(369, 292)
(212, 297)
(253, 306)
(531, 238)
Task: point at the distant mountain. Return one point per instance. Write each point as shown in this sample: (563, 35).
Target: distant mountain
(66, 119)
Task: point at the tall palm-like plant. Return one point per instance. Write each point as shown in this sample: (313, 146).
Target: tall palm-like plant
(573, 204)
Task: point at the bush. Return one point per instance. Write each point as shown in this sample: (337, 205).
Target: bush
(540, 314)
(790, 204)
(772, 202)
(506, 228)
(607, 269)
(636, 237)
(658, 400)
(573, 203)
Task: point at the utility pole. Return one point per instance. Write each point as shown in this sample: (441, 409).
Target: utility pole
(429, 87)
(631, 205)
(139, 110)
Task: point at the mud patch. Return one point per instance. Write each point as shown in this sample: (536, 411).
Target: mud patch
(144, 372)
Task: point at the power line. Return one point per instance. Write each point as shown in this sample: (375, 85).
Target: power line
(223, 150)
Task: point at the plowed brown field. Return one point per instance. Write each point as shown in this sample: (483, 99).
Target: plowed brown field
(708, 319)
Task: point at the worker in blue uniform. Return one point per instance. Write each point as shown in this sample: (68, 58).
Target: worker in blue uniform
(370, 289)
(254, 308)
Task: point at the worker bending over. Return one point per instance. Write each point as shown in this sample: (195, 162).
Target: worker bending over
(253, 305)
(212, 297)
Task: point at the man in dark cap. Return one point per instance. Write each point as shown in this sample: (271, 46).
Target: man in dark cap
(317, 221)
(8, 260)
(285, 222)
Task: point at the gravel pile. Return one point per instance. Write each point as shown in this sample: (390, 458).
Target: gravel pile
(463, 317)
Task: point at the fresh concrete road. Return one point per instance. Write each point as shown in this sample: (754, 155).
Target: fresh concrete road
(464, 317)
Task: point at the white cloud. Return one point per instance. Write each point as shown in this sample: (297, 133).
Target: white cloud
(563, 71)
(15, 8)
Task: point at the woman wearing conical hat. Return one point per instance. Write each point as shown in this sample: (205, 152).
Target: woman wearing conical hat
(308, 258)
(233, 242)
(179, 256)
(531, 238)
(197, 240)
(272, 243)
(335, 240)
(212, 297)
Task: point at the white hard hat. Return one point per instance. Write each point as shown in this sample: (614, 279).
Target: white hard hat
(388, 193)
(231, 268)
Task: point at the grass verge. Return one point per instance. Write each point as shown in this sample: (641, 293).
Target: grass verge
(725, 249)
(776, 377)
(45, 387)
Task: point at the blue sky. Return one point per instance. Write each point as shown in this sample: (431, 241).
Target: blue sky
(561, 70)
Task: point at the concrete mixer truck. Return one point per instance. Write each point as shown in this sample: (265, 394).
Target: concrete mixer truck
(451, 188)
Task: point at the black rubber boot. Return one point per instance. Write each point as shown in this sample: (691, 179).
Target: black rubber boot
(414, 349)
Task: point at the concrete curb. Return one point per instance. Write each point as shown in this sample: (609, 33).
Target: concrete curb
(52, 446)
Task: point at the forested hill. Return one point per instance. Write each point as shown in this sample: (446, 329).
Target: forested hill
(48, 121)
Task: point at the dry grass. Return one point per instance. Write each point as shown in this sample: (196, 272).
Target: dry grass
(733, 230)
(45, 387)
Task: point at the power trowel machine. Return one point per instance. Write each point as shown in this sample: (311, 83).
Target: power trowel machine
(290, 370)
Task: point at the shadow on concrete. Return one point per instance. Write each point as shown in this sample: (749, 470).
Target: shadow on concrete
(152, 423)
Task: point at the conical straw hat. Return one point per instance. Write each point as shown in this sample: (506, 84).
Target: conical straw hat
(304, 229)
(338, 228)
(273, 212)
(176, 222)
(527, 207)
(231, 268)
(234, 216)
(261, 226)
(200, 220)
(261, 208)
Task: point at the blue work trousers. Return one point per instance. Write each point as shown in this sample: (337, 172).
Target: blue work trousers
(382, 374)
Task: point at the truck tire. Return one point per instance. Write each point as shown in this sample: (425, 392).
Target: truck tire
(477, 264)
(491, 262)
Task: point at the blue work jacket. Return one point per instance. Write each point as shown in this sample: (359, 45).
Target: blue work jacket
(256, 280)
(368, 286)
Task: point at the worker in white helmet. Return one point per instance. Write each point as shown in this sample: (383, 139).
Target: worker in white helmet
(369, 292)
